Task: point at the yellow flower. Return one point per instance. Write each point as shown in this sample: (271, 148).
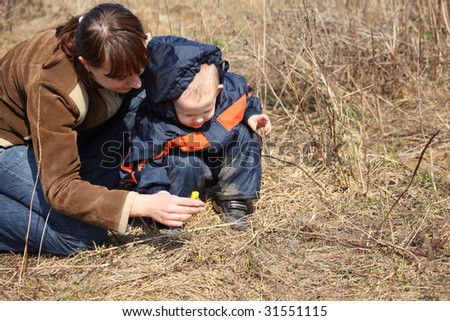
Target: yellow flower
(195, 195)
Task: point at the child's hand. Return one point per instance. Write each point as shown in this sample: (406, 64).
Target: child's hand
(260, 121)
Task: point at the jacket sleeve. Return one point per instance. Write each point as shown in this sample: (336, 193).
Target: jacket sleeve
(253, 107)
(153, 177)
(148, 175)
(52, 120)
(235, 87)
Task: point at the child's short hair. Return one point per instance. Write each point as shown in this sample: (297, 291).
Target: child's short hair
(205, 80)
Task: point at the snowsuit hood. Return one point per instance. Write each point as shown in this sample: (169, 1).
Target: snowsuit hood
(177, 60)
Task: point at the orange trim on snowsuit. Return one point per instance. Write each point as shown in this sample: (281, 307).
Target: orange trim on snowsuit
(191, 142)
(129, 169)
(234, 114)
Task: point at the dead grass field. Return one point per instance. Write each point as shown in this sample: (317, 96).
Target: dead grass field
(355, 197)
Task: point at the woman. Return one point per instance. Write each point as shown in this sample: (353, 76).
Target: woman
(63, 128)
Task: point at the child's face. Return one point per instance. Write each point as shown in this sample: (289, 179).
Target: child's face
(193, 112)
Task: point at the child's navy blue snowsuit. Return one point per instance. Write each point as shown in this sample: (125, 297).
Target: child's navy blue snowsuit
(225, 154)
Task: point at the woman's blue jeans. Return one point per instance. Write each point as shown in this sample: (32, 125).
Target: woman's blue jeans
(49, 231)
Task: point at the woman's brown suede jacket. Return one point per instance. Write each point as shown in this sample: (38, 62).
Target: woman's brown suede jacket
(42, 100)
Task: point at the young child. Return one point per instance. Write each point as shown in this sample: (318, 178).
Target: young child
(196, 131)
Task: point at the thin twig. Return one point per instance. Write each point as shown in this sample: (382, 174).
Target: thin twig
(300, 168)
(24, 264)
(246, 244)
(410, 182)
(356, 243)
(396, 247)
(444, 10)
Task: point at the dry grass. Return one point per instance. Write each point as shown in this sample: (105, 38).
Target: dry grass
(354, 203)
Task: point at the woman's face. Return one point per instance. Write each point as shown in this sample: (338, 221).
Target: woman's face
(121, 84)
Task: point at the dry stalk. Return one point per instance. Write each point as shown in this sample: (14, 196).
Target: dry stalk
(300, 168)
(358, 244)
(388, 214)
(168, 16)
(399, 248)
(444, 15)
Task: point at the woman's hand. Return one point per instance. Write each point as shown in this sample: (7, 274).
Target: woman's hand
(165, 208)
(260, 121)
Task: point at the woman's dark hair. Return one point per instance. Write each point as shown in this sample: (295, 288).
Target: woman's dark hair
(107, 35)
